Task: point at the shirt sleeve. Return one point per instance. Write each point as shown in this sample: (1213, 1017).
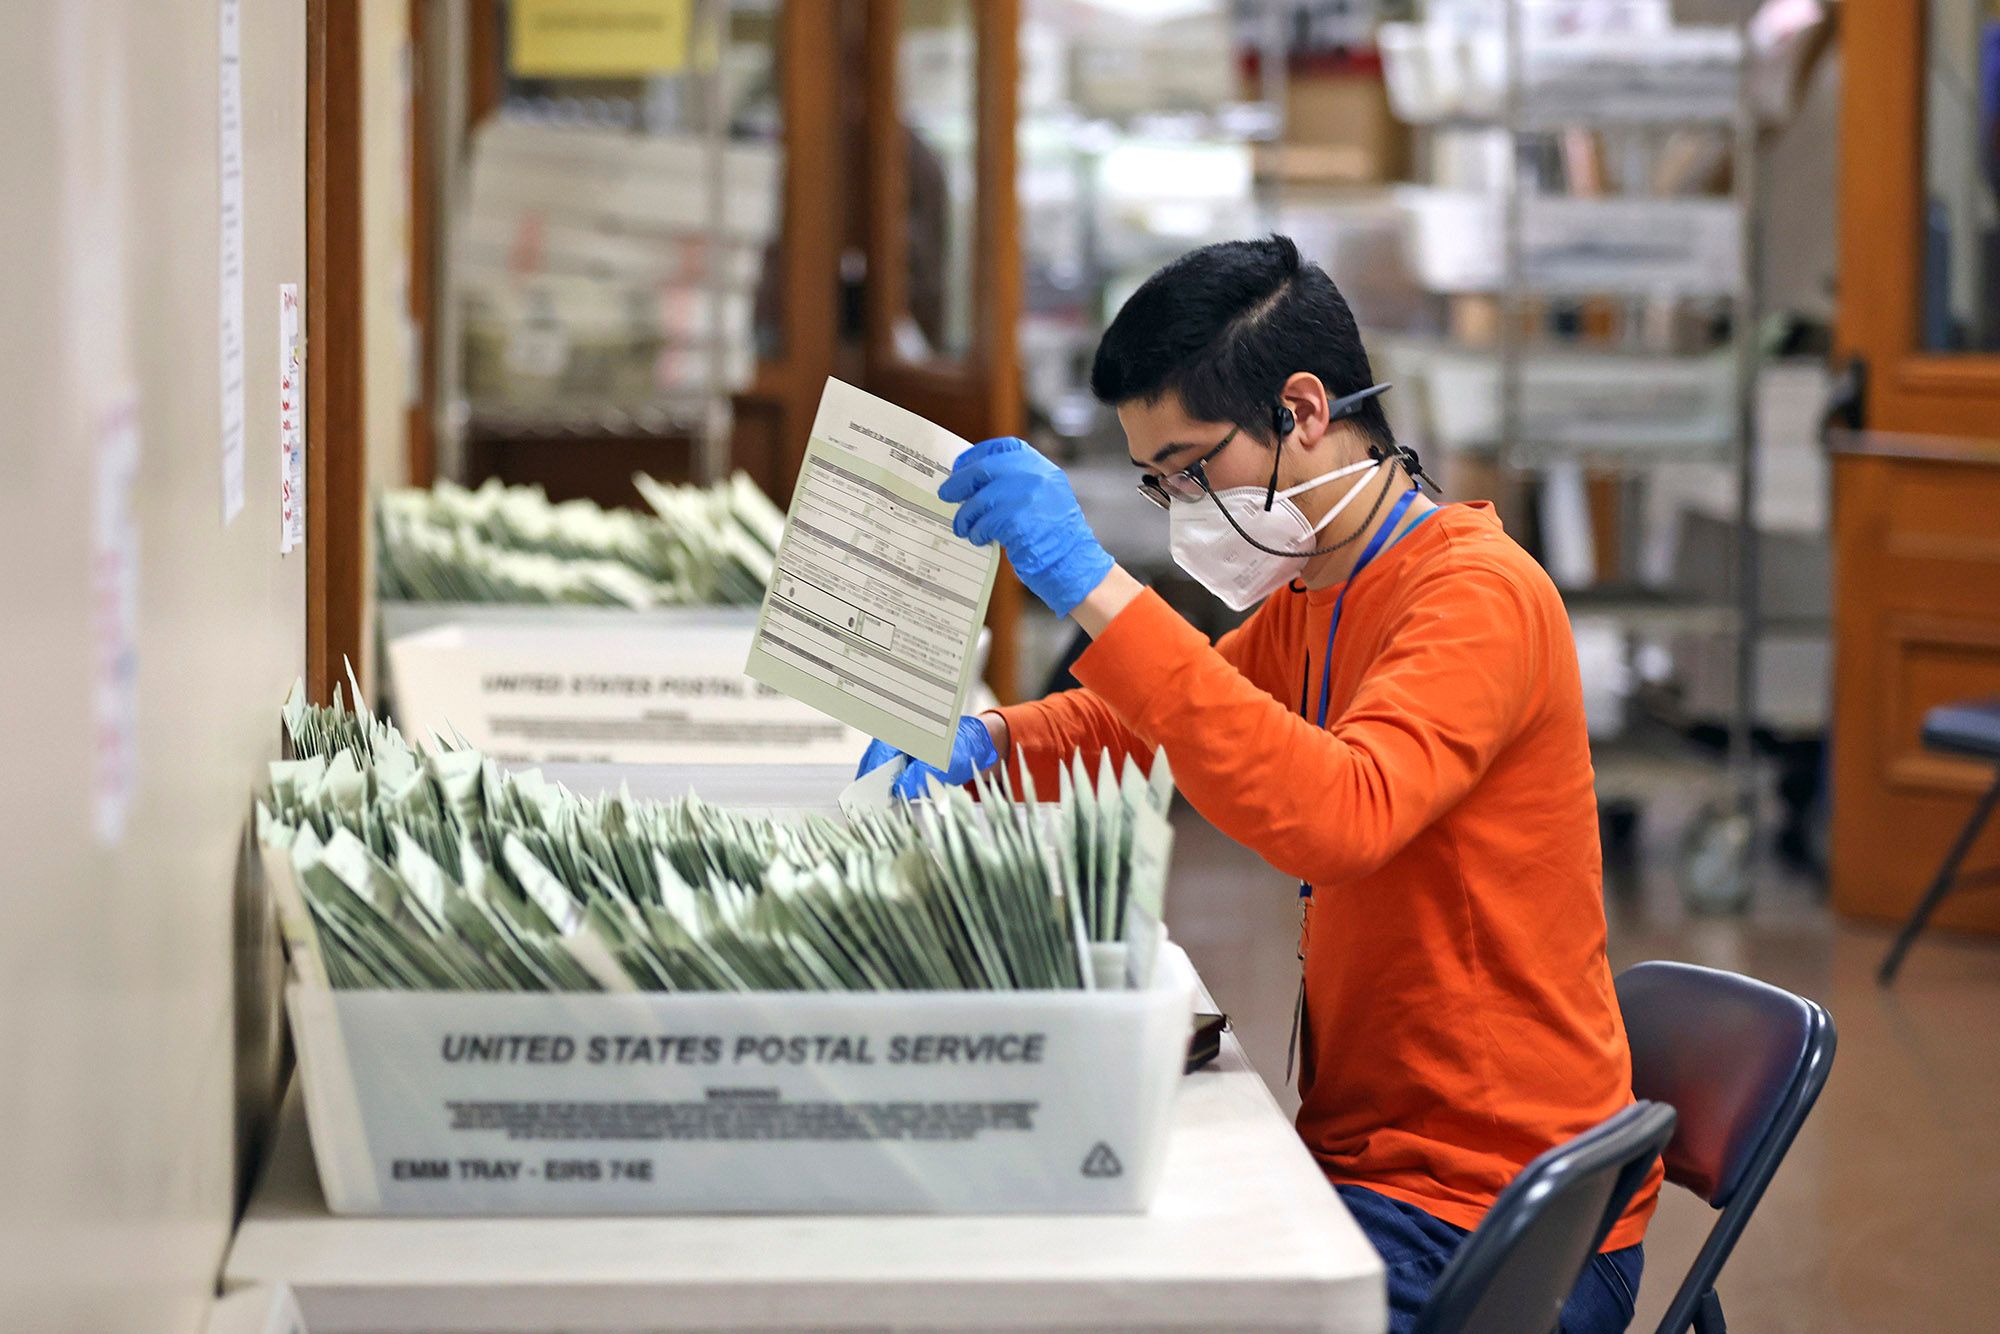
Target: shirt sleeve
(1329, 805)
(1049, 730)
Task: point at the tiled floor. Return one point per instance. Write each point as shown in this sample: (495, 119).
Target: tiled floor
(1886, 1215)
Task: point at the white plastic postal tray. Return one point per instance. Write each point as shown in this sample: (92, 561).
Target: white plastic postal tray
(606, 686)
(592, 685)
(479, 1103)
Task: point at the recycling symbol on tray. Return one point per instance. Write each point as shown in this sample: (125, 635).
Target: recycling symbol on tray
(1102, 1162)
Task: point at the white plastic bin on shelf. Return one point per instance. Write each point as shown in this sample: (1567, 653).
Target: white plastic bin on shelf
(1438, 72)
(1435, 72)
(589, 685)
(1606, 404)
(474, 1103)
(1688, 247)
(606, 685)
(1679, 75)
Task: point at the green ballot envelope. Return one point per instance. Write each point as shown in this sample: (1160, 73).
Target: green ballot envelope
(701, 546)
(406, 870)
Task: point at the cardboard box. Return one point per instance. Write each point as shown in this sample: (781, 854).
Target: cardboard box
(1338, 131)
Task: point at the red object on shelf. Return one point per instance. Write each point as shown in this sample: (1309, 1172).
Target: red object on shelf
(1352, 60)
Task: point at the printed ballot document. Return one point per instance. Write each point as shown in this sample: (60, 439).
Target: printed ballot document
(874, 610)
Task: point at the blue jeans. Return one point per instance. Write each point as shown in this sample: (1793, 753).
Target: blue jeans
(1415, 1248)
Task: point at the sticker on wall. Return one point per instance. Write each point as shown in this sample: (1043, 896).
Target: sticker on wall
(597, 39)
(96, 331)
(114, 617)
(230, 122)
(291, 422)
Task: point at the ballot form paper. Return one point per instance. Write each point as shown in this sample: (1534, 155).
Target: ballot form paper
(874, 610)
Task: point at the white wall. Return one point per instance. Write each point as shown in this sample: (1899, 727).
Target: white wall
(121, 1013)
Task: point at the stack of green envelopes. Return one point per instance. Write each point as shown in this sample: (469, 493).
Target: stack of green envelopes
(701, 546)
(405, 868)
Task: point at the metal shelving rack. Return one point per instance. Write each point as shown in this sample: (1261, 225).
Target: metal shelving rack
(1715, 852)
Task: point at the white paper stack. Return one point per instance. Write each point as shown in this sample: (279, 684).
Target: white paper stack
(597, 269)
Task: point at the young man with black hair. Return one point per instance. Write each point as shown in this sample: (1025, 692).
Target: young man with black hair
(1399, 726)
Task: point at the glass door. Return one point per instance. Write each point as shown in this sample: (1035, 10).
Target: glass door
(942, 235)
(1920, 214)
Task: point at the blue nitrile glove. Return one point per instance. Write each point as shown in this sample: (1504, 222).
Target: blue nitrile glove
(971, 752)
(1008, 493)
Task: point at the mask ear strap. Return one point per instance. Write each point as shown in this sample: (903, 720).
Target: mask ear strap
(1415, 467)
(1380, 495)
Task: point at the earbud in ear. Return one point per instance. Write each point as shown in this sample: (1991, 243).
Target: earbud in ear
(1282, 420)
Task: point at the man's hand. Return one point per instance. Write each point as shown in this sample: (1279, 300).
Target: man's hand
(1008, 493)
(973, 750)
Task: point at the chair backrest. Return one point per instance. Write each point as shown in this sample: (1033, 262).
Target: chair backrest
(1514, 1273)
(1727, 1053)
(1741, 1062)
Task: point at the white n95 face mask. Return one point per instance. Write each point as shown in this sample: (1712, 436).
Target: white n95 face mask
(1230, 559)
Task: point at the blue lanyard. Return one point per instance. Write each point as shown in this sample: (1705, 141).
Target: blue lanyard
(1385, 537)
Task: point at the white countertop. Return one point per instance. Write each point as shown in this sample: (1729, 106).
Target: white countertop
(1244, 1234)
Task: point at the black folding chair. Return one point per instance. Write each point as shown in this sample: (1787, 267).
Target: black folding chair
(1514, 1273)
(1970, 727)
(1742, 1062)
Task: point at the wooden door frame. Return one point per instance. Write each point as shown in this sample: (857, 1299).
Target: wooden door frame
(336, 462)
(421, 238)
(809, 239)
(1881, 235)
(979, 395)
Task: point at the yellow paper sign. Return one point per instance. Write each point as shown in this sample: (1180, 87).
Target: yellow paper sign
(597, 39)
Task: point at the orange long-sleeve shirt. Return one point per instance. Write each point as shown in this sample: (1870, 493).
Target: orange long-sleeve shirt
(1460, 1012)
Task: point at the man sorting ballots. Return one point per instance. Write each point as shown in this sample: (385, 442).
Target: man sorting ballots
(1399, 725)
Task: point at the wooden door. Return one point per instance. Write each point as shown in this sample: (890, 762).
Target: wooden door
(1917, 485)
(942, 231)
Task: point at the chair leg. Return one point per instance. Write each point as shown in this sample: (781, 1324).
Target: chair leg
(1708, 1316)
(1941, 886)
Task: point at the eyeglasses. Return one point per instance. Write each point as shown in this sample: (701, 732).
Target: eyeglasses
(1191, 483)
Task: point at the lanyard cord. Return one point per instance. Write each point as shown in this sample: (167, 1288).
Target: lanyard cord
(1376, 546)
(1385, 537)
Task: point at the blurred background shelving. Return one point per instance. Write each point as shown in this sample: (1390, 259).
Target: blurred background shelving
(1541, 212)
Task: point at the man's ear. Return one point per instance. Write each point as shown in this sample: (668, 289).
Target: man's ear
(1307, 398)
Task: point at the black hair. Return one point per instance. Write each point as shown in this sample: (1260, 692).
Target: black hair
(1224, 327)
